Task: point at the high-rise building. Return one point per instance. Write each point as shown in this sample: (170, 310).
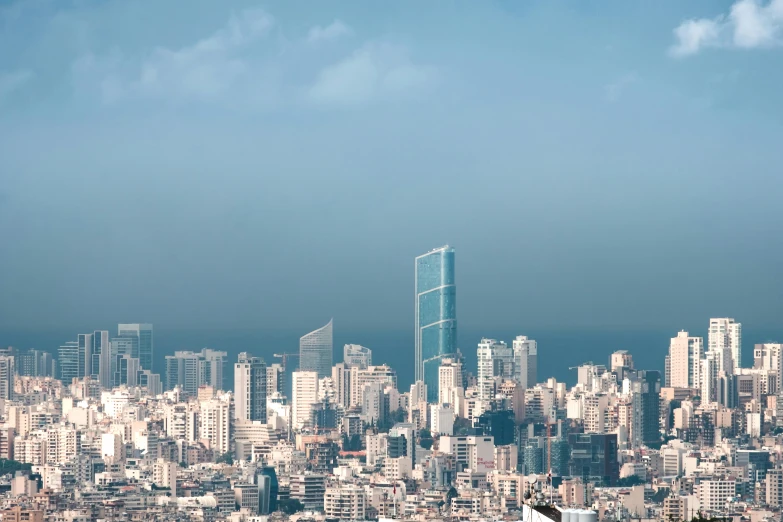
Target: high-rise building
(449, 380)
(726, 334)
(315, 351)
(435, 333)
(143, 332)
(685, 355)
(35, 363)
(304, 386)
(341, 378)
(100, 358)
(121, 347)
(495, 359)
(190, 370)
(69, 357)
(7, 377)
(525, 361)
(250, 388)
(769, 356)
(275, 379)
(594, 458)
(356, 355)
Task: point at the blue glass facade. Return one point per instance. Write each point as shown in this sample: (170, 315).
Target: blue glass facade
(436, 315)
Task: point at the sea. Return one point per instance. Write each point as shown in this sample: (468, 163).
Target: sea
(560, 351)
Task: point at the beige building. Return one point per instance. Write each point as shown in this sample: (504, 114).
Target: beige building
(346, 502)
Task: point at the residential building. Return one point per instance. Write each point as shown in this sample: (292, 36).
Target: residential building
(250, 388)
(356, 355)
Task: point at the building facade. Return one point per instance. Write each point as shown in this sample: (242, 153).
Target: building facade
(436, 315)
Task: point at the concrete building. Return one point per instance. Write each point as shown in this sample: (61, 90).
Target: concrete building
(304, 396)
(346, 502)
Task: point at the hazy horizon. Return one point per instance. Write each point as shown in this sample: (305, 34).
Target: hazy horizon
(595, 165)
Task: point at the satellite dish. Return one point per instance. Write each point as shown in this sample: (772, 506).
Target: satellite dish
(532, 478)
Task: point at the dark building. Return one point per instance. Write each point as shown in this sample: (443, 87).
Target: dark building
(756, 462)
(533, 456)
(594, 458)
(322, 456)
(396, 446)
(498, 424)
(561, 455)
(270, 495)
(324, 416)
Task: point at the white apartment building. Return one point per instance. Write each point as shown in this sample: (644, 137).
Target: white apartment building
(356, 355)
(477, 453)
(449, 379)
(525, 361)
(713, 494)
(304, 387)
(215, 420)
(685, 355)
(383, 374)
(347, 502)
(726, 333)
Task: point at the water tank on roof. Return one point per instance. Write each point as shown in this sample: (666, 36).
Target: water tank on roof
(565, 516)
(586, 515)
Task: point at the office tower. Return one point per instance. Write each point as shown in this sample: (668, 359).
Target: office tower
(435, 334)
(190, 370)
(594, 458)
(315, 351)
(250, 388)
(685, 355)
(127, 371)
(35, 363)
(304, 395)
(100, 358)
(267, 490)
(143, 332)
(151, 381)
(119, 348)
(69, 357)
(449, 380)
(356, 355)
(495, 359)
(708, 376)
(525, 361)
(7, 377)
(275, 379)
(726, 334)
(85, 351)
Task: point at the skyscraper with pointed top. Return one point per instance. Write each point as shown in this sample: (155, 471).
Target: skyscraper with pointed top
(436, 315)
(315, 351)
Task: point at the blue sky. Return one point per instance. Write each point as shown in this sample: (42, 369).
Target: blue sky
(594, 163)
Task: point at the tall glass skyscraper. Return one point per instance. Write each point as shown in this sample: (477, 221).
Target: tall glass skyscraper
(436, 315)
(315, 351)
(144, 333)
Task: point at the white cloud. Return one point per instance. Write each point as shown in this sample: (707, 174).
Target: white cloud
(333, 31)
(13, 81)
(749, 24)
(614, 90)
(206, 68)
(373, 72)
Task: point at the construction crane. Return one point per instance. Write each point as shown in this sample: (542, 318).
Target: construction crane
(284, 358)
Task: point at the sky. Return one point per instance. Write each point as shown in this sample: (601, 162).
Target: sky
(203, 164)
